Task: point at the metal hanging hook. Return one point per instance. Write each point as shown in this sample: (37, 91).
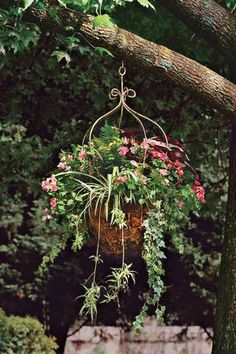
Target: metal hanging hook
(122, 95)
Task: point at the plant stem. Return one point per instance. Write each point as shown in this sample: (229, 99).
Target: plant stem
(98, 245)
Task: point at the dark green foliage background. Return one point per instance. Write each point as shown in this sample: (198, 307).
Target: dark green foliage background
(46, 105)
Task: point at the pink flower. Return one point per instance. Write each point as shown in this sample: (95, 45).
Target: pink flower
(91, 171)
(70, 157)
(47, 217)
(123, 150)
(180, 204)
(163, 172)
(134, 163)
(162, 155)
(170, 166)
(81, 168)
(82, 154)
(177, 163)
(201, 194)
(126, 140)
(180, 171)
(53, 202)
(136, 172)
(121, 179)
(194, 188)
(50, 184)
(197, 183)
(63, 166)
(145, 144)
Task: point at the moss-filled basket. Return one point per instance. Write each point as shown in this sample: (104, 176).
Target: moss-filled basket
(124, 191)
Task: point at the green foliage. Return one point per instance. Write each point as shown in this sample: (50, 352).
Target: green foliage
(24, 335)
(91, 298)
(110, 172)
(46, 106)
(153, 255)
(118, 281)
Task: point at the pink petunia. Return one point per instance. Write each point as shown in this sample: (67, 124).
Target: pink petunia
(83, 154)
(121, 179)
(123, 150)
(53, 202)
(197, 183)
(180, 204)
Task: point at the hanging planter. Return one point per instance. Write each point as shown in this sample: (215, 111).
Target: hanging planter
(124, 191)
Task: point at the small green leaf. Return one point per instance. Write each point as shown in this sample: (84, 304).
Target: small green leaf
(70, 202)
(102, 51)
(27, 3)
(103, 20)
(61, 55)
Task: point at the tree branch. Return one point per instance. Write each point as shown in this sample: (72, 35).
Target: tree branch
(208, 19)
(182, 71)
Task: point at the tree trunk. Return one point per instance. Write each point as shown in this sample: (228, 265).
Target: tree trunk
(209, 20)
(225, 323)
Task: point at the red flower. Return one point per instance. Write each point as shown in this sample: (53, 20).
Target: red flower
(121, 179)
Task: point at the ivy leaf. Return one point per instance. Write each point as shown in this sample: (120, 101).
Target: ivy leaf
(102, 51)
(59, 54)
(146, 3)
(103, 20)
(27, 3)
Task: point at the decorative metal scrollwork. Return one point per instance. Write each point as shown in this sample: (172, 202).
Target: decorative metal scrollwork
(122, 94)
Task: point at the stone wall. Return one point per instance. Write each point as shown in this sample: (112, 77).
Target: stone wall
(152, 340)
